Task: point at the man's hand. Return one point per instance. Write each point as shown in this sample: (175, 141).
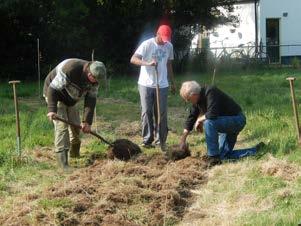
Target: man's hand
(51, 115)
(153, 62)
(198, 126)
(86, 128)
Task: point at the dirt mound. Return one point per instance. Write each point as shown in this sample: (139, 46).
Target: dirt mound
(146, 191)
(280, 168)
(123, 149)
(176, 153)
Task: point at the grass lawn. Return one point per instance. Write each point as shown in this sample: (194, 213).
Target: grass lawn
(262, 190)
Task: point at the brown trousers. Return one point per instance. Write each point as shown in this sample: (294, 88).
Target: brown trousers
(65, 135)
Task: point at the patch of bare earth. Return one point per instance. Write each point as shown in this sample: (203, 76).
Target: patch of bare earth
(280, 168)
(43, 154)
(148, 190)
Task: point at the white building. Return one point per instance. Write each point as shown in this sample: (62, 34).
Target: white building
(272, 24)
(278, 28)
(241, 34)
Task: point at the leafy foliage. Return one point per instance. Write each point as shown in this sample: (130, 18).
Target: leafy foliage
(113, 28)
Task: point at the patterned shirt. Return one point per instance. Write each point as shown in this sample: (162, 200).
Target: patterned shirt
(68, 84)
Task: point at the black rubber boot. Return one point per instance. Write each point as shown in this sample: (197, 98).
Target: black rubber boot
(74, 150)
(260, 146)
(211, 160)
(62, 160)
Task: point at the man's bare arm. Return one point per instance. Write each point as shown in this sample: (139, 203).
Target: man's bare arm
(137, 60)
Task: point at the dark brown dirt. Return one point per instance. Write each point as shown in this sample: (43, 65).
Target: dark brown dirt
(123, 149)
(148, 190)
(176, 153)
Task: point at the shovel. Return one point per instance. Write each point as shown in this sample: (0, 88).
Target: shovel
(122, 149)
(158, 97)
(79, 127)
(158, 104)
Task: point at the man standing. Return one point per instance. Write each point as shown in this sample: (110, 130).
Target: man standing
(155, 57)
(64, 86)
(221, 117)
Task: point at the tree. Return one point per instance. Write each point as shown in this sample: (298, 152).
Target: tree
(72, 28)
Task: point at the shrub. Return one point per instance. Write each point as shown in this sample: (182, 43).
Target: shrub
(296, 63)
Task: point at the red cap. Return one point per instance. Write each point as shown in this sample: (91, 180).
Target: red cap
(165, 32)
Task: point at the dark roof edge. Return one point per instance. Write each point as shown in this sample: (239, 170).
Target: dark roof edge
(244, 1)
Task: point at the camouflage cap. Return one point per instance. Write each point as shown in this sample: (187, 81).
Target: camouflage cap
(98, 70)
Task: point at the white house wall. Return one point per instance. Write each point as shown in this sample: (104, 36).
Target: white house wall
(290, 30)
(226, 38)
(246, 27)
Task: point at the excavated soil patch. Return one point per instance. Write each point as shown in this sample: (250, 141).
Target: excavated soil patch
(123, 149)
(148, 190)
(280, 168)
(176, 153)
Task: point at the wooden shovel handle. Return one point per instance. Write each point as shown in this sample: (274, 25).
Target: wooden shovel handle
(158, 96)
(79, 127)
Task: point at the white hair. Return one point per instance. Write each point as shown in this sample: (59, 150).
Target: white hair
(189, 88)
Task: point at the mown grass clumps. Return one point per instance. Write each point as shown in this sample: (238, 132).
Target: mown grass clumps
(256, 191)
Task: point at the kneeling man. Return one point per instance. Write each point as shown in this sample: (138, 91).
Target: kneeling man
(220, 116)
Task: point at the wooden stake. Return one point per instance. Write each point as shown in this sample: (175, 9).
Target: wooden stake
(18, 133)
(39, 71)
(92, 55)
(213, 76)
(95, 114)
(295, 107)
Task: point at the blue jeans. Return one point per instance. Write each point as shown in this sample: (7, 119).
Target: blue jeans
(221, 136)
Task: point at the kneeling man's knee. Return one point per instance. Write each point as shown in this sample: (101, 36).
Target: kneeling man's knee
(208, 123)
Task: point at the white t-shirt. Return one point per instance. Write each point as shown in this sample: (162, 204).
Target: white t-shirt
(149, 50)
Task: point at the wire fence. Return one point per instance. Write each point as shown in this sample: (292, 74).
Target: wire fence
(247, 54)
